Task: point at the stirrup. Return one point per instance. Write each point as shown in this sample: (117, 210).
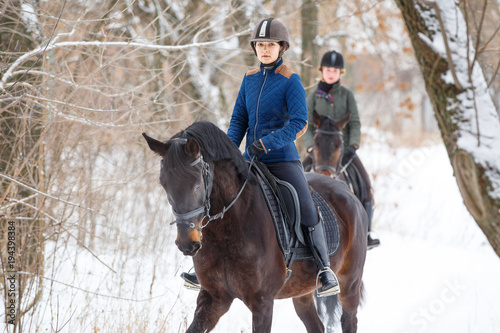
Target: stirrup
(330, 292)
(188, 283)
(375, 239)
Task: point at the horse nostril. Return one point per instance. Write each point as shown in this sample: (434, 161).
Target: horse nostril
(189, 249)
(195, 246)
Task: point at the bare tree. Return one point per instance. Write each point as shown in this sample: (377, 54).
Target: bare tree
(83, 79)
(466, 115)
(78, 85)
(482, 19)
(21, 151)
(309, 57)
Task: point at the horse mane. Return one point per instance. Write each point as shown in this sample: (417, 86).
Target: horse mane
(215, 145)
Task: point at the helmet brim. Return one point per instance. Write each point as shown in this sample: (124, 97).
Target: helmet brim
(265, 40)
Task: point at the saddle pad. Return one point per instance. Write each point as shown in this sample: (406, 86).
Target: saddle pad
(284, 230)
(331, 228)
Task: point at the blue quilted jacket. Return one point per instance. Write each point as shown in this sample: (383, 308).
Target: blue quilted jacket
(271, 107)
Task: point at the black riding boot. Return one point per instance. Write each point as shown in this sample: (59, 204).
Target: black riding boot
(315, 237)
(190, 280)
(373, 240)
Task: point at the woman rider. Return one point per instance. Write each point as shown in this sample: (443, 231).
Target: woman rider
(271, 110)
(335, 101)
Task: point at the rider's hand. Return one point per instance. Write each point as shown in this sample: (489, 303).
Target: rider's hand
(310, 150)
(349, 153)
(256, 148)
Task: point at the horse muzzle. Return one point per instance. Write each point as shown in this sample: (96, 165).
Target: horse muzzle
(326, 170)
(188, 240)
(188, 248)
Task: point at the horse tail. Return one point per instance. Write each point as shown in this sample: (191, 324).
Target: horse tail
(329, 311)
(362, 292)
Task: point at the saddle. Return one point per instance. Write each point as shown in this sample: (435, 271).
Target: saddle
(283, 203)
(355, 181)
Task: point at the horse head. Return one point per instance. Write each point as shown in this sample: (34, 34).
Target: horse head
(328, 143)
(186, 178)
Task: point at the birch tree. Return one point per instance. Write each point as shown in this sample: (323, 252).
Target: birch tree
(467, 118)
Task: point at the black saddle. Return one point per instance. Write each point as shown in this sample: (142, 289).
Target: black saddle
(283, 203)
(355, 182)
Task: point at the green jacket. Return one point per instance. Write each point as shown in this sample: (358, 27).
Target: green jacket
(343, 102)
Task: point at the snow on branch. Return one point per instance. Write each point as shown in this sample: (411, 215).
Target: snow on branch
(478, 123)
(43, 49)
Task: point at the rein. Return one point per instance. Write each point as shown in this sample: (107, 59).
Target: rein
(331, 170)
(183, 218)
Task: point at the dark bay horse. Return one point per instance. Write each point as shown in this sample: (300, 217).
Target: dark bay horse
(223, 222)
(327, 156)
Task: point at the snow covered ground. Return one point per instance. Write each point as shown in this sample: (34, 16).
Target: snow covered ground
(434, 272)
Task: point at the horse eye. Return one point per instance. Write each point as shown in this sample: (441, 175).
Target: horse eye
(197, 186)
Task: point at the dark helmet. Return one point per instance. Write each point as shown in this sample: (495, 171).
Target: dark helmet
(332, 59)
(270, 30)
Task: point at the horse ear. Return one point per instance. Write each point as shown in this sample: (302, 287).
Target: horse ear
(192, 148)
(343, 122)
(316, 119)
(158, 147)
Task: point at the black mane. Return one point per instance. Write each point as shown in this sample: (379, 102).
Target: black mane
(215, 145)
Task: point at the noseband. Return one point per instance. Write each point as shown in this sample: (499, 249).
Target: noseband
(332, 171)
(183, 218)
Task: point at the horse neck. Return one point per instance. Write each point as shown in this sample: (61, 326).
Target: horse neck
(226, 187)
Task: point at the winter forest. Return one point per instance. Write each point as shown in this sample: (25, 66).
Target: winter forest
(85, 240)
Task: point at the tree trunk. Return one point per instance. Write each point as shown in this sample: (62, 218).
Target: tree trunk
(467, 118)
(309, 56)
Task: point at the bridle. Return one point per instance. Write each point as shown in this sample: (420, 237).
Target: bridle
(332, 171)
(183, 218)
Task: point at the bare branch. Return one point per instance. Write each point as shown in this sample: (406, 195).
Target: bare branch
(494, 74)
(478, 37)
(43, 49)
(451, 64)
(44, 194)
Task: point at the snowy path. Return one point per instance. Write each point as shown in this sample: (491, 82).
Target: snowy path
(435, 271)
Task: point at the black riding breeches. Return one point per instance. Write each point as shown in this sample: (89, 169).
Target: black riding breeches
(293, 173)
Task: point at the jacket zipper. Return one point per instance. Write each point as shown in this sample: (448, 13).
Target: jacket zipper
(257, 110)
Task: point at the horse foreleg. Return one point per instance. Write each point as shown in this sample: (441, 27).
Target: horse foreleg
(262, 313)
(208, 312)
(306, 310)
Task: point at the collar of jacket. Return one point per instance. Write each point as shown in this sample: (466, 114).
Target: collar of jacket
(335, 86)
(271, 70)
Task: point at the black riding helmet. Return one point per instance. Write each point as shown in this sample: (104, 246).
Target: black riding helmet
(332, 59)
